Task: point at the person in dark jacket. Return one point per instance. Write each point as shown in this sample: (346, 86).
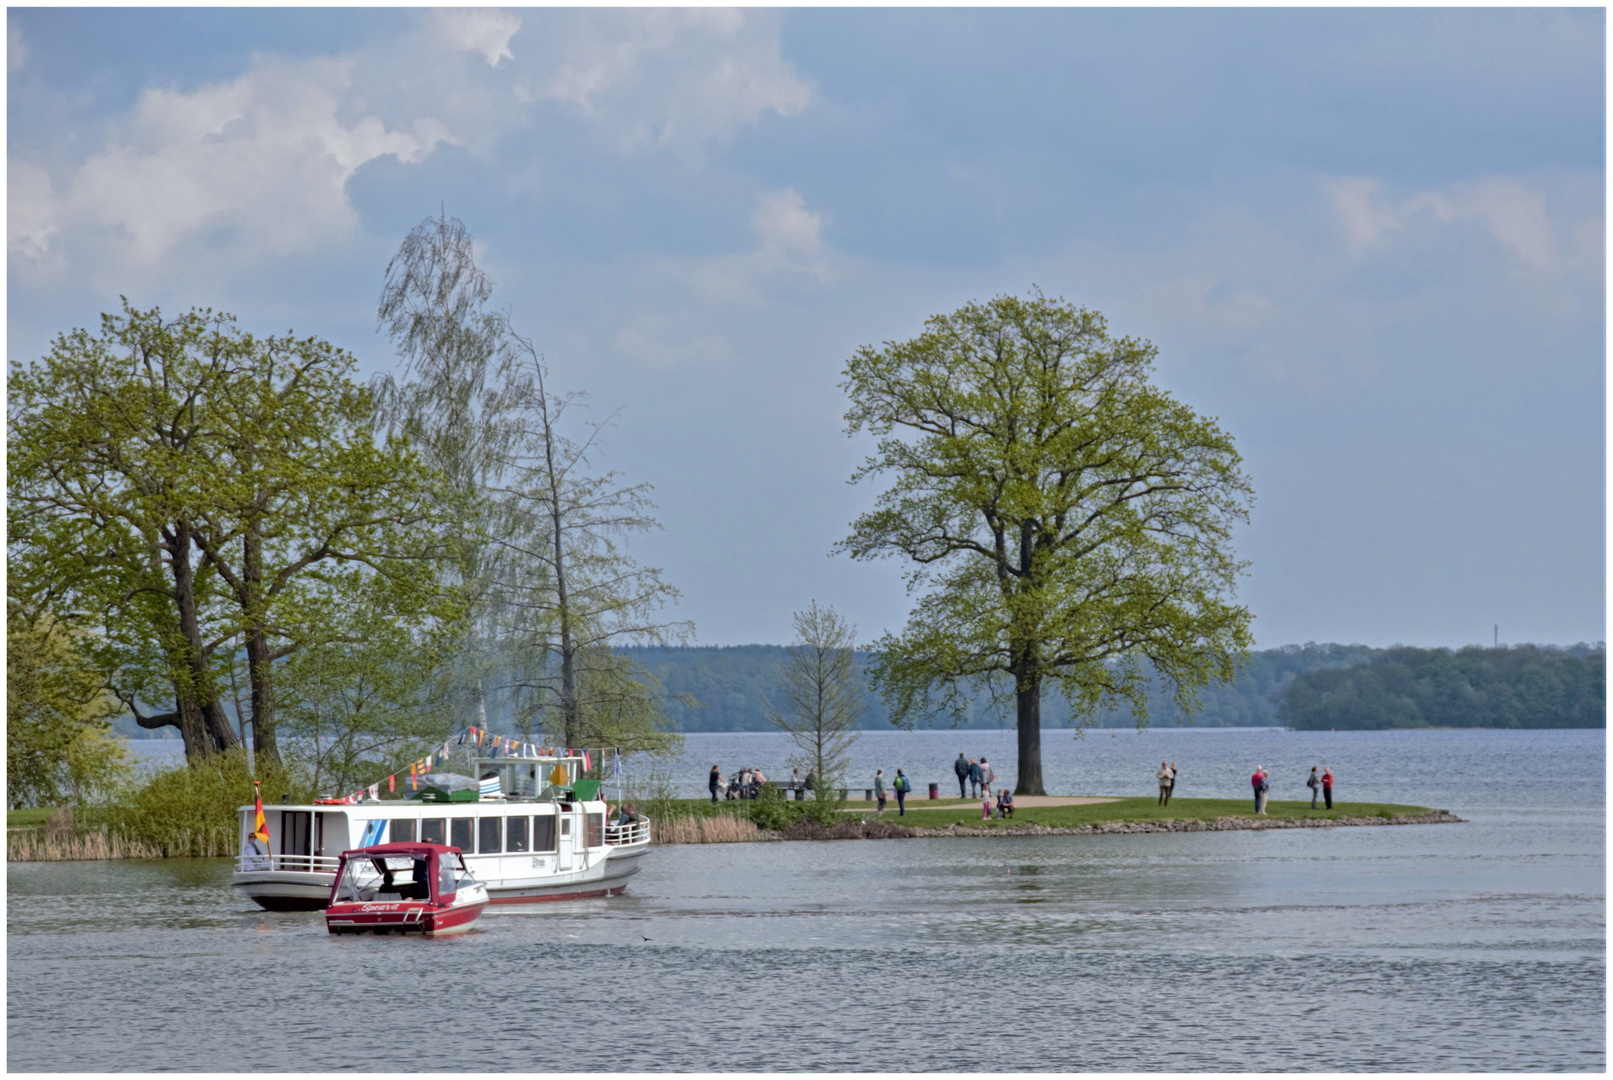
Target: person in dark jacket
(961, 767)
(901, 786)
(974, 778)
(714, 782)
(1314, 782)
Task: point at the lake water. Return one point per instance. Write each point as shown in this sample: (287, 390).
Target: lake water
(1479, 946)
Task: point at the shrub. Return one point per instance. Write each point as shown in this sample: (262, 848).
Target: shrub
(191, 810)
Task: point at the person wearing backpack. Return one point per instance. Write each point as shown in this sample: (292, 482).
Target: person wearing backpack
(901, 785)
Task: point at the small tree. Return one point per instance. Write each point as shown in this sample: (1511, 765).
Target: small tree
(823, 698)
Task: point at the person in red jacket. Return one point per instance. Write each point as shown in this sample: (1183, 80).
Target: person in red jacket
(1254, 782)
(1327, 786)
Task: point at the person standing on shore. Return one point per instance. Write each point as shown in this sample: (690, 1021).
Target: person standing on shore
(714, 782)
(1254, 782)
(974, 779)
(902, 787)
(1172, 789)
(1327, 785)
(986, 777)
(961, 767)
(879, 790)
(1164, 778)
(1314, 782)
(1265, 790)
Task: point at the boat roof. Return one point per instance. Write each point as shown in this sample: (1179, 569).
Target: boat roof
(421, 849)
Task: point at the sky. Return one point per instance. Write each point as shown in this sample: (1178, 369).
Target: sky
(1370, 242)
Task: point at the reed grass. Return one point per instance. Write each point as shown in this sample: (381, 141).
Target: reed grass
(719, 829)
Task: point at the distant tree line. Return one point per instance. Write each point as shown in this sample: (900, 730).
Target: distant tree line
(1520, 687)
(731, 688)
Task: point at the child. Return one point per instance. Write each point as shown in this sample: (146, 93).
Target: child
(985, 806)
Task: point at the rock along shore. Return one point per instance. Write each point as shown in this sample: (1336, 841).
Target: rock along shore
(886, 830)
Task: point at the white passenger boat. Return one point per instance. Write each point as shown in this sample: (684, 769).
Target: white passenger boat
(531, 840)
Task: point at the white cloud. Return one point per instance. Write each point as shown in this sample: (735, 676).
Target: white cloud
(1514, 213)
(785, 225)
(678, 77)
(484, 30)
(264, 158)
(16, 48)
(30, 209)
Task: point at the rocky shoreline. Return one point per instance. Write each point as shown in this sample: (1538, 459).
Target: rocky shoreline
(886, 830)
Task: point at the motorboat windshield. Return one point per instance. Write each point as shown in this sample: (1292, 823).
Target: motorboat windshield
(384, 877)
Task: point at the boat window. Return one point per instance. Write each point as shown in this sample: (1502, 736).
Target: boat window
(490, 842)
(596, 830)
(565, 825)
(402, 830)
(515, 830)
(459, 833)
(445, 877)
(543, 832)
(431, 831)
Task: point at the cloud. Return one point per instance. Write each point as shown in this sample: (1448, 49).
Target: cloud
(484, 30)
(1515, 214)
(263, 159)
(675, 77)
(16, 48)
(785, 225)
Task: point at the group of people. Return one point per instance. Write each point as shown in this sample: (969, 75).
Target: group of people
(900, 787)
(1320, 783)
(974, 777)
(744, 784)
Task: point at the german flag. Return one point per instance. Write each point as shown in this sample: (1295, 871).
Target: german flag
(260, 825)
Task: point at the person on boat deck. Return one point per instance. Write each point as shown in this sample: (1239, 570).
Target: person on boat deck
(256, 852)
(388, 889)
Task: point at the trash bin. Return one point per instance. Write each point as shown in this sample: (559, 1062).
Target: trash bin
(935, 791)
(868, 794)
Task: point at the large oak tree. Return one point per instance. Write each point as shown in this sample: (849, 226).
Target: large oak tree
(189, 489)
(1066, 518)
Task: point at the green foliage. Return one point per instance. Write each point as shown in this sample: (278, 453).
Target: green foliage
(770, 811)
(59, 744)
(1519, 687)
(1065, 520)
(195, 490)
(191, 810)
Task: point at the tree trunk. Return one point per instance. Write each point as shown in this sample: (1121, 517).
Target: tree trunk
(192, 688)
(262, 693)
(1028, 699)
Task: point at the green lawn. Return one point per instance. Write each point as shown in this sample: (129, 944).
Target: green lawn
(925, 812)
(35, 816)
(943, 812)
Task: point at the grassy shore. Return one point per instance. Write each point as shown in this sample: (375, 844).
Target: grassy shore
(925, 813)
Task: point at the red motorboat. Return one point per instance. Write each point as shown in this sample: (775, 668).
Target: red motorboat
(404, 889)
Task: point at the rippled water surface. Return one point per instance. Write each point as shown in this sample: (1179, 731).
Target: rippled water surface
(1478, 946)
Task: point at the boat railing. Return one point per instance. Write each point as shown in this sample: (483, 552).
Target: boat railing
(634, 832)
(307, 864)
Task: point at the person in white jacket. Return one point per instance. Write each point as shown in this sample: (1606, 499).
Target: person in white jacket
(986, 777)
(1165, 776)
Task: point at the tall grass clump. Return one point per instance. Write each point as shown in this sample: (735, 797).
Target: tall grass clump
(190, 810)
(714, 829)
